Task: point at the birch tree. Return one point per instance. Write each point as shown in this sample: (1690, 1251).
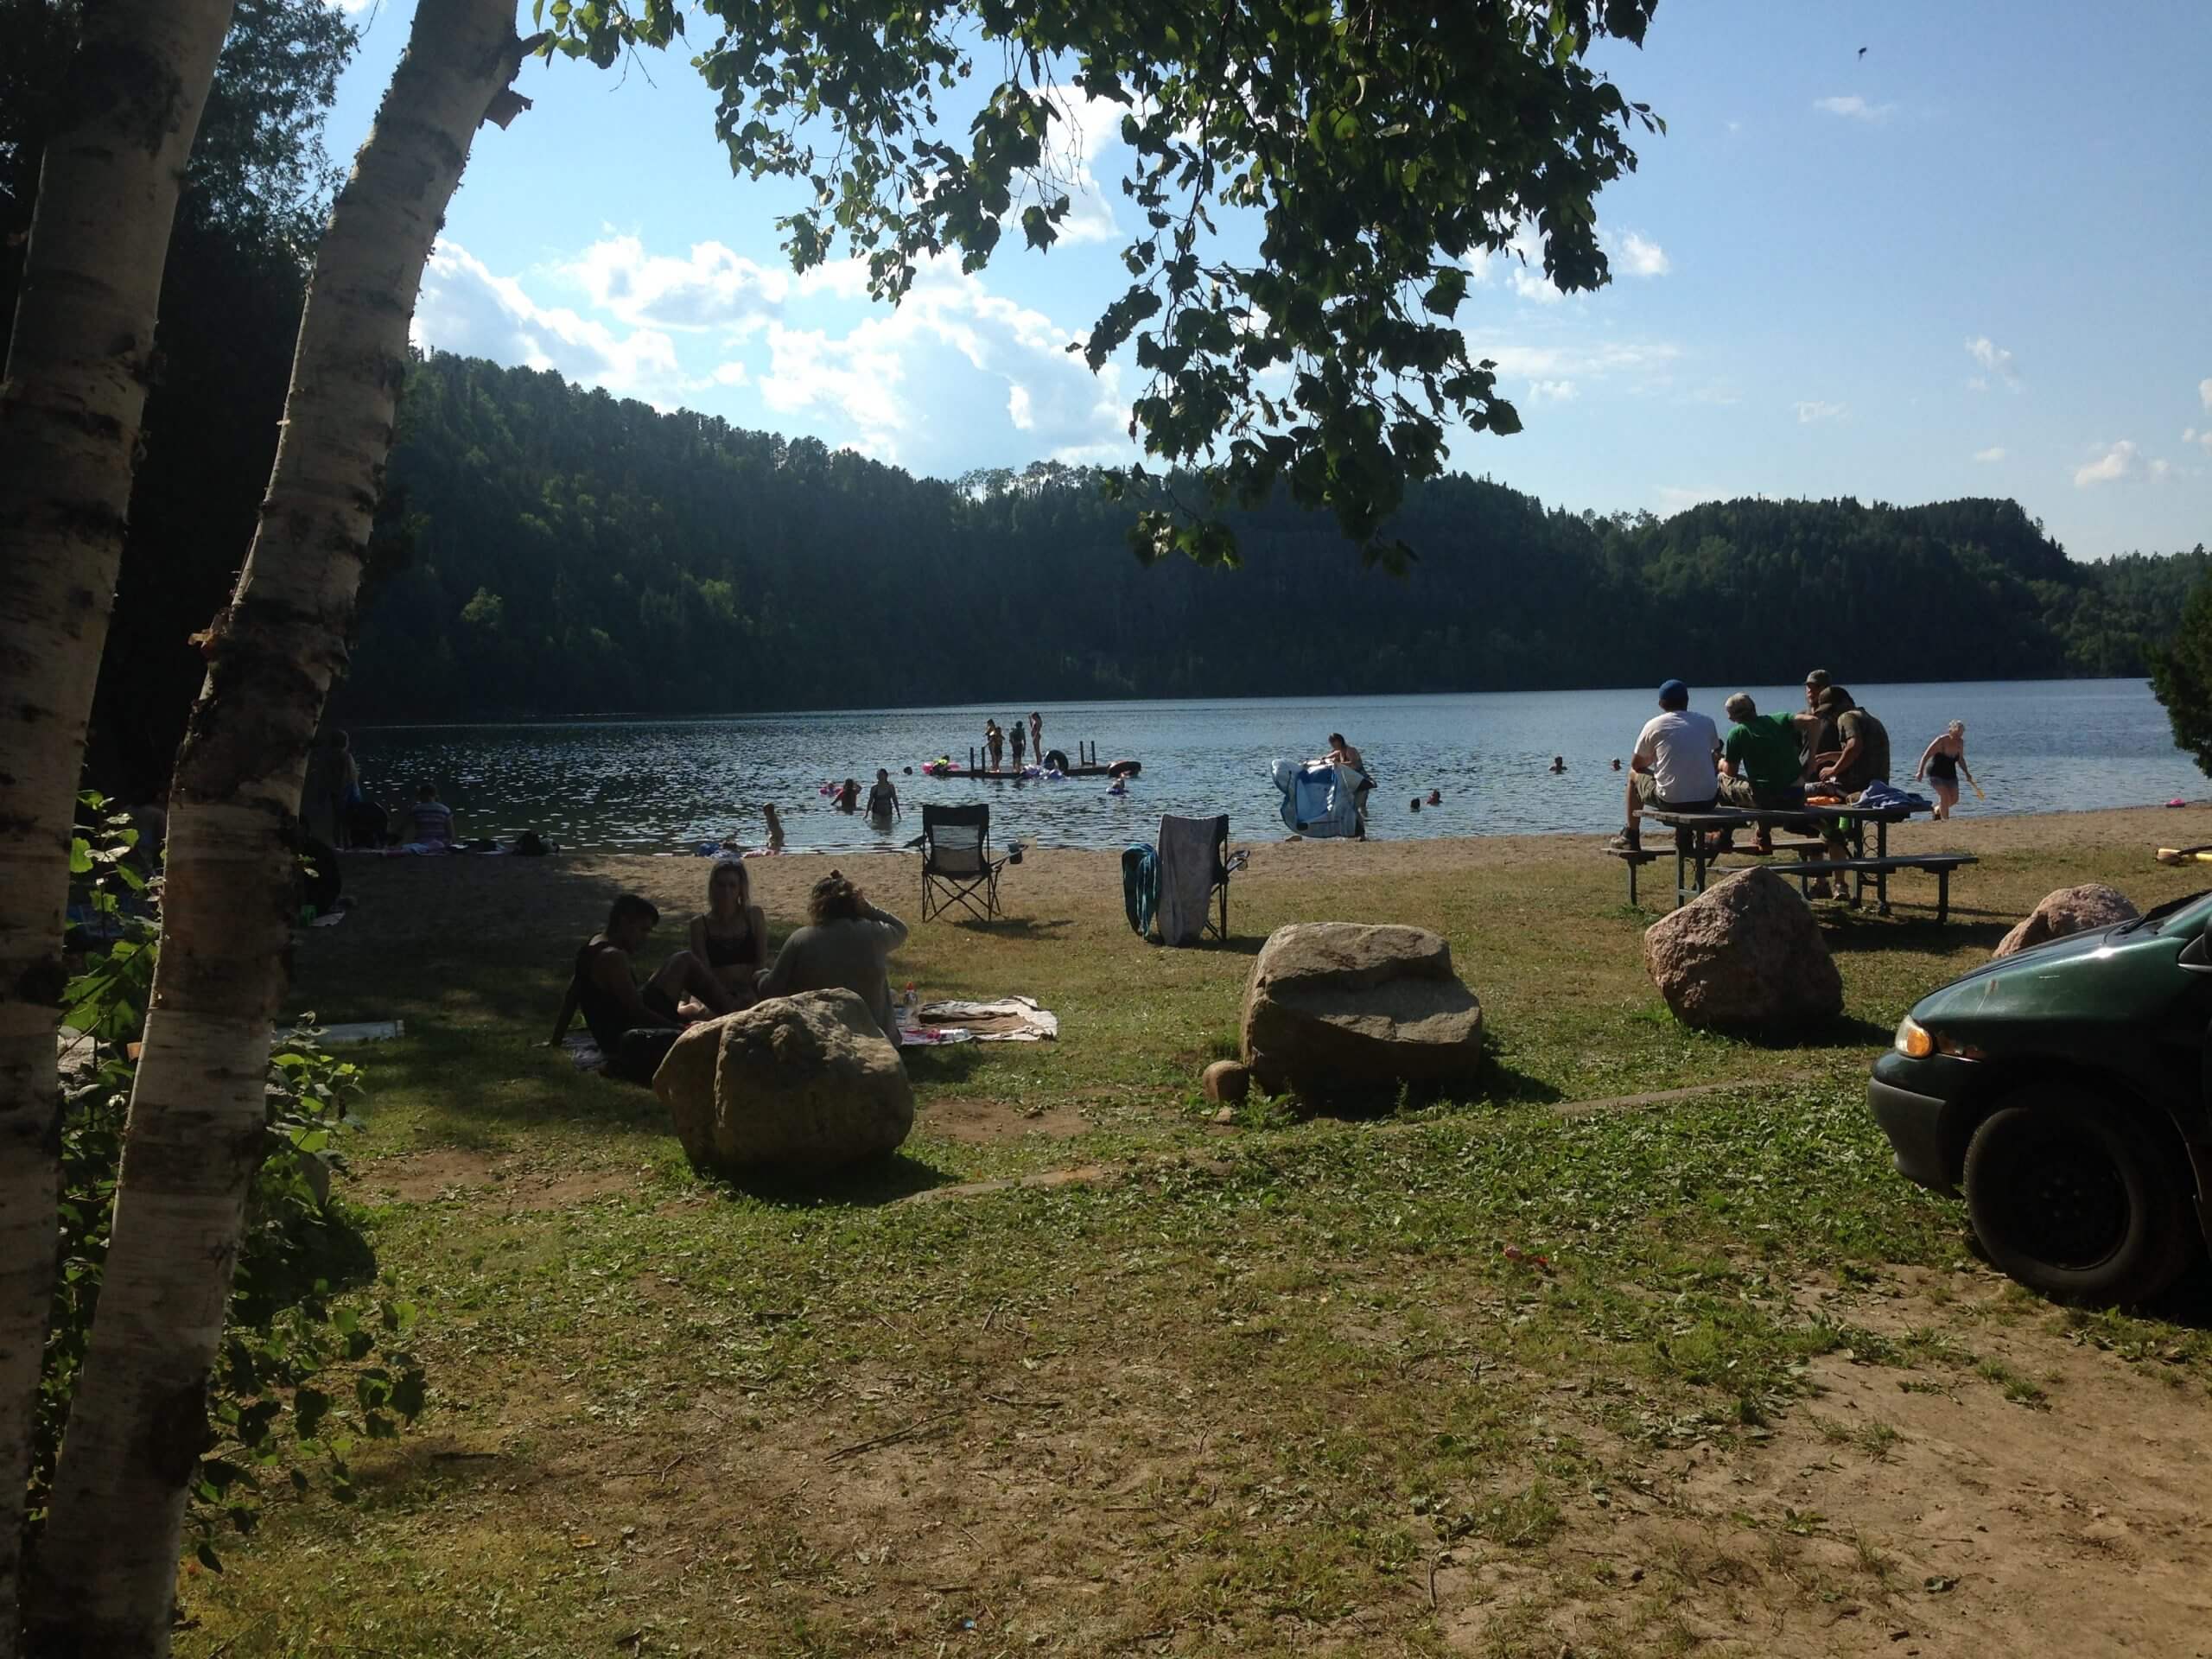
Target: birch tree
(106, 1576)
(79, 356)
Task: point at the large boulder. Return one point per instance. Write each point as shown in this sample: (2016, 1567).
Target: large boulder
(804, 1082)
(1745, 952)
(1345, 1008)
(2070, 910)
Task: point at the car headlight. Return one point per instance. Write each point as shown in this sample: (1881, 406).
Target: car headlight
(1915, 1041)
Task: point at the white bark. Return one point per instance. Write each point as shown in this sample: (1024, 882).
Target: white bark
(79, 361)
(106, 1570)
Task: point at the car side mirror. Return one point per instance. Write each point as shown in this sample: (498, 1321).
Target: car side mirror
(2196, 956)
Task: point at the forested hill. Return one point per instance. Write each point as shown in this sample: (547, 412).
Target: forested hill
(548, 549)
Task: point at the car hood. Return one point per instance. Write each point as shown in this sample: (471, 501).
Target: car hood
(2107, 974)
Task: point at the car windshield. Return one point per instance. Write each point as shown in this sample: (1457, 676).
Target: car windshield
(2175, 913)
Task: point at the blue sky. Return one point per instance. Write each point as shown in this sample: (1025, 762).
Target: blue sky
(1976, 261)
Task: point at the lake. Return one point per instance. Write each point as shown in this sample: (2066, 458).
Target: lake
(666, 786)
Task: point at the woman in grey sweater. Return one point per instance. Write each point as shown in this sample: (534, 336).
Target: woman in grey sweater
(846, 945)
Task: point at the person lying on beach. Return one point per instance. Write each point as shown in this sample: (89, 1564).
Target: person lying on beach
(732, 937)
(634, 1027)
(883, 798)
(846, 943)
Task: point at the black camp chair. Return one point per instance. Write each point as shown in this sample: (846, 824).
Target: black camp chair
(958, 867)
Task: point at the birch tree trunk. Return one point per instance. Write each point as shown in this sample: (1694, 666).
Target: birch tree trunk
(106, 1576)
(79, 361)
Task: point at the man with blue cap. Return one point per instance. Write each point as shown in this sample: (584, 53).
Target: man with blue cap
(1673, 769)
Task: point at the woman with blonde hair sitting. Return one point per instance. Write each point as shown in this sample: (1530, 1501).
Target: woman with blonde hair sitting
(846, 945)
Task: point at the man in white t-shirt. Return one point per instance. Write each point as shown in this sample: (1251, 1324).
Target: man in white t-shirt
(1673, 768)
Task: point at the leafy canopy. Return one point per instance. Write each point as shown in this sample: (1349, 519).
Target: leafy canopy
(1380, 144)
(2181, 674)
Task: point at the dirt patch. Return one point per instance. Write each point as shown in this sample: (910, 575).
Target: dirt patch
(984, 1121)
(426, 1177)
(1901, 1512)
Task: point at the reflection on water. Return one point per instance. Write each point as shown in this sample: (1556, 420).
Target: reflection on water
(667, 786)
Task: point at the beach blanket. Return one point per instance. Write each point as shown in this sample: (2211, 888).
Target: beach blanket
(1186, 849)
(1008, 1020)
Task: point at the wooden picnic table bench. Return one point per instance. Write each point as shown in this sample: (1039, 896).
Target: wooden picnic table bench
(1636, 857)
(1940, 865)
(1694, 855)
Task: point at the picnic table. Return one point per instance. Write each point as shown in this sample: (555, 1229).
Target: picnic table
(1694, 857)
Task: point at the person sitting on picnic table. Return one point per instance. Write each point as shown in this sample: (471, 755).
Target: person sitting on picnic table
(633, 1027)
(1673, 769)
(1760, 761)
(1863, 758)
(846, 945)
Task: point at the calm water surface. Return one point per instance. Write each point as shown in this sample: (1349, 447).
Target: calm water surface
(665, 785)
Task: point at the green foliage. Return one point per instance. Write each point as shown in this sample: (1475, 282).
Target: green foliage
(2181, 673)
(674, 563)
(304, 1372)
(1313, 179)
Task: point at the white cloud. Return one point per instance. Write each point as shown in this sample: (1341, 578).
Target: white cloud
(951, 327)
(2204, 391)
(1994, 360)
(2160, 469)
(465, 307)
(1675, 498)
(1810, 411)
(1556, 391)
(710, 288)
(1995, 452)
(1854, 108)
(1574, 359)
(2113, 460)
(1643, 258)
(732, 374)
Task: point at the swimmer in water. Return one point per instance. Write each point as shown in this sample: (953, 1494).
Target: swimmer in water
(1559, 763)
(1436, 797)
(1413, 805)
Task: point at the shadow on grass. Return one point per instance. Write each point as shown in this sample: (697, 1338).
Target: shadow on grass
(879, 1181)
(1008, 927)
(1845, 1031)
(1862, 930)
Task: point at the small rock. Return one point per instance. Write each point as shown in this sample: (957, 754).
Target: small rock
(1226, 1082)
(1226, 1115)
(2069, 909)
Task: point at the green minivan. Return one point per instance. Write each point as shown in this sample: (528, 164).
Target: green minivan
(2065, 1088)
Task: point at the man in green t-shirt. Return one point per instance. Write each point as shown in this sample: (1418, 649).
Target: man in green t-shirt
(1761, 759)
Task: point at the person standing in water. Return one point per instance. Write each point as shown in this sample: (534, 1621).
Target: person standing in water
(1559, 763)
(882, 799)
(1946, 758)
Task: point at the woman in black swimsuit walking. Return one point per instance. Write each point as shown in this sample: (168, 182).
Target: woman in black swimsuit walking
(1945, 759)
(732, 938)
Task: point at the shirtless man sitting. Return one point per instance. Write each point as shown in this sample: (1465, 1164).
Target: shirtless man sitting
(635, 1027)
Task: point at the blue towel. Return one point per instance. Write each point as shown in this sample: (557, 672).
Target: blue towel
(1140, 886)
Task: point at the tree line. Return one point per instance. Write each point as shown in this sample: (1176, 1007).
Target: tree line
(549, 549)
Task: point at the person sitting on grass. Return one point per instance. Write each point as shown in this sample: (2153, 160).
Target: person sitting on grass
(1672, 770)
(633, 1027)
(732, 938)
(846, 943)
(1760, 759)
(430, 821)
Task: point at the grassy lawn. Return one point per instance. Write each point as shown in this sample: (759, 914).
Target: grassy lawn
(1083, 1371)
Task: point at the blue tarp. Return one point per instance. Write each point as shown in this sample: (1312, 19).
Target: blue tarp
(1318, 798)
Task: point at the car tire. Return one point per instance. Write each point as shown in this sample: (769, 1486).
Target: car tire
(2078, 1196)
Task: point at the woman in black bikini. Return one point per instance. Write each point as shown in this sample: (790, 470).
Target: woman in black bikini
(732, 938)
(1945, 759)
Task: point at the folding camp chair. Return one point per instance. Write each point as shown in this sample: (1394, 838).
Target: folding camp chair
(958, 867)
(1207, 839)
